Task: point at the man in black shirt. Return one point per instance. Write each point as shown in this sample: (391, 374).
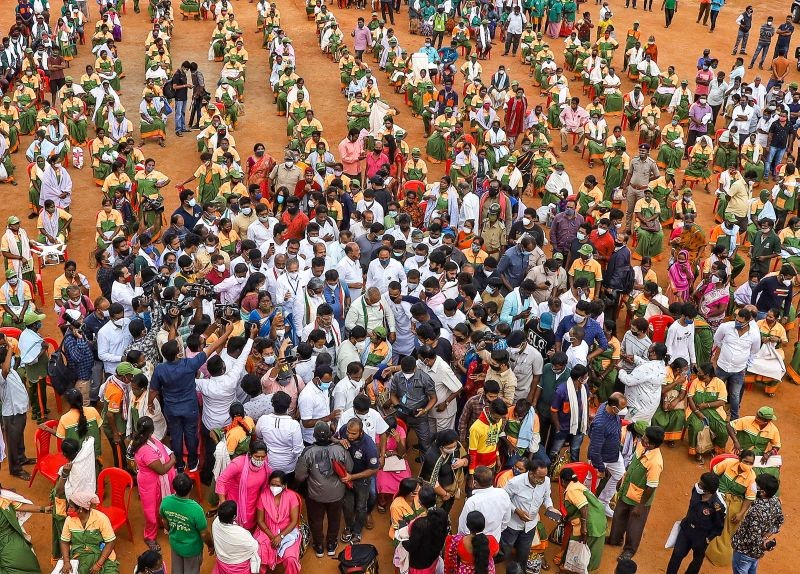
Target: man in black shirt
(198, 92)
(703, 521)
(774, 291)
(778, 140)
(181, 87)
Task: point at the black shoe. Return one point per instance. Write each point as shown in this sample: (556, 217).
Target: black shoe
(22, 474)
(179, 134)
(28, 461)
(319, 551)
(332, 549)
(33, 215)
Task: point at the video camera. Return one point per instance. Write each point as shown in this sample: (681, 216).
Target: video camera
(161, 280)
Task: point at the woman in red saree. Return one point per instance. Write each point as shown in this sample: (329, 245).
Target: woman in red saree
(515, 116)
(258, 167)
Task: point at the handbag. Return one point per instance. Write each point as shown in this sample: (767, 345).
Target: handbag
(705, 440)
(305, 536)
(557, 535)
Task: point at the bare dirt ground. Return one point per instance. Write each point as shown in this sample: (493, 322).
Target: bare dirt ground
(679, 46)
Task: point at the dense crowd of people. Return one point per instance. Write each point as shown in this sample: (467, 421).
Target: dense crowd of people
(329, 334)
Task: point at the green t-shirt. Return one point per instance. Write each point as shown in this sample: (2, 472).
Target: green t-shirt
(670, 4)
(187, 521)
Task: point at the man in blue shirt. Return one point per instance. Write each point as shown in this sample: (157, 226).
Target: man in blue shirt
(716, 6)
(604, 435)
(174, 379)
(592, 330)
(513, 265)
(365, 465)
(188, 209)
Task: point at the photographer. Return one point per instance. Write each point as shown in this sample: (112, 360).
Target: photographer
(282, 377)
(79, 352)
(125, 288)
(762, 522)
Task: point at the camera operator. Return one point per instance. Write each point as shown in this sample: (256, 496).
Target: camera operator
(755, 535)
(79, 352)
(125, 288)
(91, 327)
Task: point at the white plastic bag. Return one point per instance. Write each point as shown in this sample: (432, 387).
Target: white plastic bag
(673, 535)
(577, 557)
(768, 363)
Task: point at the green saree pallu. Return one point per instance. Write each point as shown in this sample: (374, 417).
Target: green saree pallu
(661, 194)
(359, 123)
(188, 7)
(682, 111)
(569, 57)
(612, 175)
(105, 227)
(27, 116)
(758, 444)
(208, 187)
(218, 47)
(77, 128)
(34, 193)
(595, 527)
(230, 108)
(85, 548)
(695, 424)
(698, 169)
(757, 166)
(154, 128)
(669, 156)
(651, 82)
(294, 119)
(57, 522)
(673, 422)
(16, 555)
(662, 100)
(703, 341)
(436, 147)
(464, 173)
(238, 84)
(722, 205)
(613, 103)
(547, 197)
(724, 156)
(793, 242)
(283, 94)
(13, 131)
(649, 243)
(554, 116)
(605, 386)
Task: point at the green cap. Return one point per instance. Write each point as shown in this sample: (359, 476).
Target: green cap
(604, 203)
(380, 331)
(13, 220)
(767, 413)
(6, 100)
(512, 159)
(670, 171)
(125, 368)
(10, 272)
(31, 318)
(235, 173)
(586, 249)
(730, 217)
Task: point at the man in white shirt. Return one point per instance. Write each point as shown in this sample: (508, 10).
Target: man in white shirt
(230, 288)
(263, 228)
(741, 115)
(374, 425)
(113, 339)
(516, 20)
(122, 290)
(348, 388)
(306, 303)
(558, 180)
(282, 433)
(371, 310)
(446, 385)
(493, 503)
(735, 342)
(526, 363)
(528, 492)
(273, 273)
(314, 402)
(350, 272)
(643, 384)
(288, 286)
(680, 337)
(384, 270)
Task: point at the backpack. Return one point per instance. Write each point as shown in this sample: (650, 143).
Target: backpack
(169, 91)
(62, 377)
(358, 559)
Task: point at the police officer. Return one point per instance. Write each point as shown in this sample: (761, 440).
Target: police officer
(493, 232)
(704, 520)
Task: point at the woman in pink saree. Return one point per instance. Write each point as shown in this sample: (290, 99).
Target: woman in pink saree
(243, 480)
(712, 297)
(156, 464)
(277, 516)
(681, 279)
(388, 481)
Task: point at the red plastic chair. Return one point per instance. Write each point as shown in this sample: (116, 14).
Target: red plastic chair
(121, 485)
(719, 458)
(47, 463)
(659, 324)
(582, 470)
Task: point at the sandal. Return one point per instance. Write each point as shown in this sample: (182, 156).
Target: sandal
(153, 545)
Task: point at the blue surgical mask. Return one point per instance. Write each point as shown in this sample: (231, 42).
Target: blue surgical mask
(738, 324)
(325, 386)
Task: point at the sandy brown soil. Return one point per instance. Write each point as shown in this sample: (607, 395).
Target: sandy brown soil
(680, 46)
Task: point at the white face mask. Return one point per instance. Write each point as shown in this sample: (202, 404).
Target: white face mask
(275, 490)
(247, 210)
(623, 412)
(279, 333)
(270, 359)
(118, 323)
(420, 258)
(241, 280)
(581, 236)
(192, 202)
(292, 274)
(526, 221)
(361, 345)
(220, 268)
(787, 282)
(258, 463)
(13, 281)
(601, 231)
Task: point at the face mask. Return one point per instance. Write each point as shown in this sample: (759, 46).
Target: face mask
(192, 202)
(118, 323)
(324, 386)
(787, 282)
(623, 412)
(269, 359)
(715, 279)
(72, 513)
(581, 236)
(275, 490)
(258, 463)
(288, 164)
(420, 258)
(579, 319)
(13, 281)
(280, 199)
(476, 248)
(738, 324)
(384, 262)
(247, 210)
(570, 212)
(279, 333)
